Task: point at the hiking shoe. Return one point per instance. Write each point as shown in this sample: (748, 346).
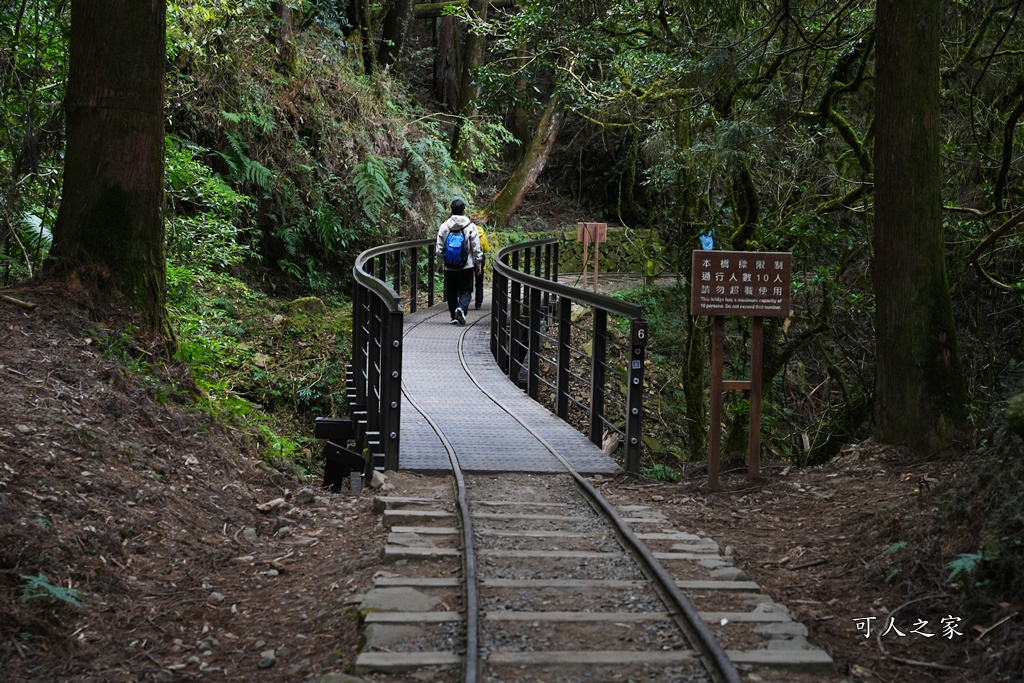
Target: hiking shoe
(460, 316)
(454, 322)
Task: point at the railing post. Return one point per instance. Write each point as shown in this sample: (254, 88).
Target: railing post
(360, 321)
(597, 374)
(432, 270)
(374, 366)
(547, 275)
(514, 323)
(396, 278)
(564, 357)
(635, 394)
(391, 389)
(533, 374)
(499, 318)
(414, 277)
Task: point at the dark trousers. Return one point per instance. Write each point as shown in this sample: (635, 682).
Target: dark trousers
(458, 289)
(480, 288)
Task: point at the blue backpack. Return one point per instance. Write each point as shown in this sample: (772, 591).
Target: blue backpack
(456, 248)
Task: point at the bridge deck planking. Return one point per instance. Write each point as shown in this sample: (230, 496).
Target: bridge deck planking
(485, 437)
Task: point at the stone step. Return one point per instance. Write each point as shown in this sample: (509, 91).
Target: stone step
(396, 517)
(809, 660)
(403, 661)
(575, 617)
(590, 657)
(382, 503)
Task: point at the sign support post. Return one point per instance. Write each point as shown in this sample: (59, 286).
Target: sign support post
(730, 283)
(715, 422)
(587, 233)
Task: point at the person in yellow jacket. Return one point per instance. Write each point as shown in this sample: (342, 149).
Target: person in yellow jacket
(485, 247)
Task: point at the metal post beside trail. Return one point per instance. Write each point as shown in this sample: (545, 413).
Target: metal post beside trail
(738, 283)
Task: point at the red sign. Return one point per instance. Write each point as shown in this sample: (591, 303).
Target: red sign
(752, 283)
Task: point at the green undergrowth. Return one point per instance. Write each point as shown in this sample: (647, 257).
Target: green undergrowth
(665, 438)
(265, 365)
(983, 524)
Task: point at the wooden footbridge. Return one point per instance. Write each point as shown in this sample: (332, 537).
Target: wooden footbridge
(568, 360)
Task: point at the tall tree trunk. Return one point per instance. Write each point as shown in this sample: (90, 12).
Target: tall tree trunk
(472, 57)
(525, 176)
(283, 32)
(919, 388)
(522, 113)
(360, 33)
(109, 235)
(396, 21)
(447, 62)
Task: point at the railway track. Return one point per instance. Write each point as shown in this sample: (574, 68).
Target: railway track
(520, 577)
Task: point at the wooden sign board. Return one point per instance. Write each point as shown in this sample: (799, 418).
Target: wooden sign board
(751, 283)
(591, 232)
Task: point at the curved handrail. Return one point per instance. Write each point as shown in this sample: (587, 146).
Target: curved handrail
(374, 375)
(381, 288)
(526, 306)
(602, 301)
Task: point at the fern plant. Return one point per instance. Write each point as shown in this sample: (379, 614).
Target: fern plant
(373, 183)
(433, 171)
(243, 169)
(39, 586)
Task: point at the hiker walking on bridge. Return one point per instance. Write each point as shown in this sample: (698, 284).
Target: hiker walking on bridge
(458, 249)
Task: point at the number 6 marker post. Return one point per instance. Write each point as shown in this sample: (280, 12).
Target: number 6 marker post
(635, 394)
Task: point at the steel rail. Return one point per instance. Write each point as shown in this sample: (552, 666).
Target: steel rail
(471, 665)
(717, 663)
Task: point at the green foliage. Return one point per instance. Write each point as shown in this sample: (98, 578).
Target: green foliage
(269, 370)
(205, 225)
(895, 547)
(243, 169)
(331, 160)
(374, 179)
(433, 173)
(486, 138)
(963, 566)
(39, 586)
(987, 505)
(661, 472)
(33, 72)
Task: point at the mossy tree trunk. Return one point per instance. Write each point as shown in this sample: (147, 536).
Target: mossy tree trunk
(396, 22)
(920, 396)
(282, 35)
(530, 167)
(109, 235)
(522, 112)
(447, 62)
(360, 33)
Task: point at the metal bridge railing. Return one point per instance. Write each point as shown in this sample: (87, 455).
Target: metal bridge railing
(374, 378)
(540, 343)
